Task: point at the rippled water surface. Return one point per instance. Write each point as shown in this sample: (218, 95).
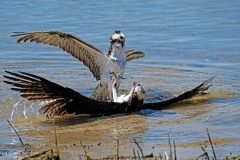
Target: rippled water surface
(185, 43)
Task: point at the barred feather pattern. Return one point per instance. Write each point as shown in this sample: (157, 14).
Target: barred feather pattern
(63, 100)
(88, 54)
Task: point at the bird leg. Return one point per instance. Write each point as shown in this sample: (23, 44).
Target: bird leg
(114, 85)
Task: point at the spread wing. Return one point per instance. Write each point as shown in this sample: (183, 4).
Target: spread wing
(189, 94)
(133, 54)
(62, 100)
(91, 56)
(59, 100)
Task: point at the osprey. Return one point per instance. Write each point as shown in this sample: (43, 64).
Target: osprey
(137, 88)
(61, 100)
(98, 63)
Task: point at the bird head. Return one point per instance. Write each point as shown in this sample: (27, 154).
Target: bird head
(117, 40)
(139, 90)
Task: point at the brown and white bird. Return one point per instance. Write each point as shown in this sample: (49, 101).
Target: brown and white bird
(99, 64)
(59, 100)
(138, 89)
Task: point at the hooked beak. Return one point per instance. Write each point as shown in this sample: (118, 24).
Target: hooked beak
(120, 45)
(143, 91)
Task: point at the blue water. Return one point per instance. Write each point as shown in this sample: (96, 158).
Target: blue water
(185, 42)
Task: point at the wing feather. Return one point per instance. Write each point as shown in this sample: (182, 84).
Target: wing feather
(164, 104)
(59, 100)
(46, 40)
(67, 101)
(91, 56)
(133, 54)
(53, 42)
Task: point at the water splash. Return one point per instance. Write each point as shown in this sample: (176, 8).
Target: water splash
(15, 108)
(33, 106)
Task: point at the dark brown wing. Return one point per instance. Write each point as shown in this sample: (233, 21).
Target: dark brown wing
(163, 104)
(91, 56)
(133, 54)
(59, 100)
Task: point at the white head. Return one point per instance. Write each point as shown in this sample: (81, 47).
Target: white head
(139, 90)
(117, 40)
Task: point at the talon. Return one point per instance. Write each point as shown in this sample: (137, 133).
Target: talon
(111, 72)
(114, 76)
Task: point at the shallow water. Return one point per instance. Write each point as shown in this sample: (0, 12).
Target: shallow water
(185, 43)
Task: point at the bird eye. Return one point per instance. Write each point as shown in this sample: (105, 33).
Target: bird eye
(115, 40)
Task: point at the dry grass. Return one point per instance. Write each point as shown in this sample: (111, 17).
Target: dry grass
(50, 155)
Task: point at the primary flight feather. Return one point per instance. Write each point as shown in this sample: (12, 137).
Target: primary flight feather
(99, 64)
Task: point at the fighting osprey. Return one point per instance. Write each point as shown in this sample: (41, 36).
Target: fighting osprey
(137, 88)
(62, 100)
(99, 63)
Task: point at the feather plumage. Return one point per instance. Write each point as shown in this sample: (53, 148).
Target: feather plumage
(67, 101)
(97, 62)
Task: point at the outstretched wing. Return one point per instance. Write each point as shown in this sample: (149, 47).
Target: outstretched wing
(163, 104)
(91, 56)
(59, 100)
(133, 54)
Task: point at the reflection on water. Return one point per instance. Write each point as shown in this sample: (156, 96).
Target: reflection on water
(185, 43)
